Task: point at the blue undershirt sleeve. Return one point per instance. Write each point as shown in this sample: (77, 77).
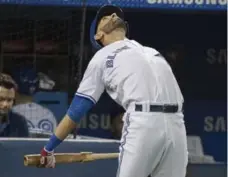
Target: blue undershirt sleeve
(80, 105)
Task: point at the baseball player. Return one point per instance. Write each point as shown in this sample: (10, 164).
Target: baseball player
(153, 139)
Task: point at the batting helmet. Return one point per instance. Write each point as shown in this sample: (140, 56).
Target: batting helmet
(104, 11)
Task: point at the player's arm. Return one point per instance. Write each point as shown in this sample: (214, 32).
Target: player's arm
(78, 108)
(87, 95)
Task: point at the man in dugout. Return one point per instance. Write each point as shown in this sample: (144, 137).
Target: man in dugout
(11, 124)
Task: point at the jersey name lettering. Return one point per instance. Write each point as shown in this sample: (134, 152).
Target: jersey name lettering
(110, 58)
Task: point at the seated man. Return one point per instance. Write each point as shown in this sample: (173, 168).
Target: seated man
(11, 124)
(40, 120)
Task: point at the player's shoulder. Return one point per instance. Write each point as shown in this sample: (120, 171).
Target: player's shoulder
(116, 47)
(155, 55)
(150, 50)
(112, 49)
(98, 57)
(138, 47)
(101, 55)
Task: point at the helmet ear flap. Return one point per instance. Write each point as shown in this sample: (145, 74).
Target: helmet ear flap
(95, 44)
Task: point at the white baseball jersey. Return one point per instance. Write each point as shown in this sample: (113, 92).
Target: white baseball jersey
(37, 116)
(152, 144)
(124, 69)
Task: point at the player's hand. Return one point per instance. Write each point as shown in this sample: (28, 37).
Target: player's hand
(47, 159)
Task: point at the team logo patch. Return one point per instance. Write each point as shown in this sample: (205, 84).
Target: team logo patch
(30, 124)
(109, 63)
(46, 125)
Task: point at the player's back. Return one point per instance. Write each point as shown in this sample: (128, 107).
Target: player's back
(134, 74)
(127, 76)
(169, 91)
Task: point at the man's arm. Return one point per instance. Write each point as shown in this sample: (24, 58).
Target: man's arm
(88, 93)
(78, 108)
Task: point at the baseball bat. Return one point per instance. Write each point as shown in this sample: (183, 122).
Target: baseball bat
(63, 158)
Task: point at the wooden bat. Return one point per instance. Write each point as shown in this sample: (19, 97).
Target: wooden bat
(62, 158)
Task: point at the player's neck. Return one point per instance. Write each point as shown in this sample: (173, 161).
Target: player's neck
(109, 39)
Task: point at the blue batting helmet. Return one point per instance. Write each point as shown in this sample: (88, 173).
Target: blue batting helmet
(104, 11)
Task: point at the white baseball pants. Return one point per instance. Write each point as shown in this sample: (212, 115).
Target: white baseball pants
(153, 144)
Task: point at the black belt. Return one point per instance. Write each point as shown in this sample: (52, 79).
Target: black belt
(166, 108)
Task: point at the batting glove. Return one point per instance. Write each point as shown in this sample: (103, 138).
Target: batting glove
(47, 159)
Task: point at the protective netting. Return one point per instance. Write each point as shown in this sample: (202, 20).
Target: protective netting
(41, 37)
(40, 49)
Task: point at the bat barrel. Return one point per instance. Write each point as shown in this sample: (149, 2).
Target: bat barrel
(31, 161)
